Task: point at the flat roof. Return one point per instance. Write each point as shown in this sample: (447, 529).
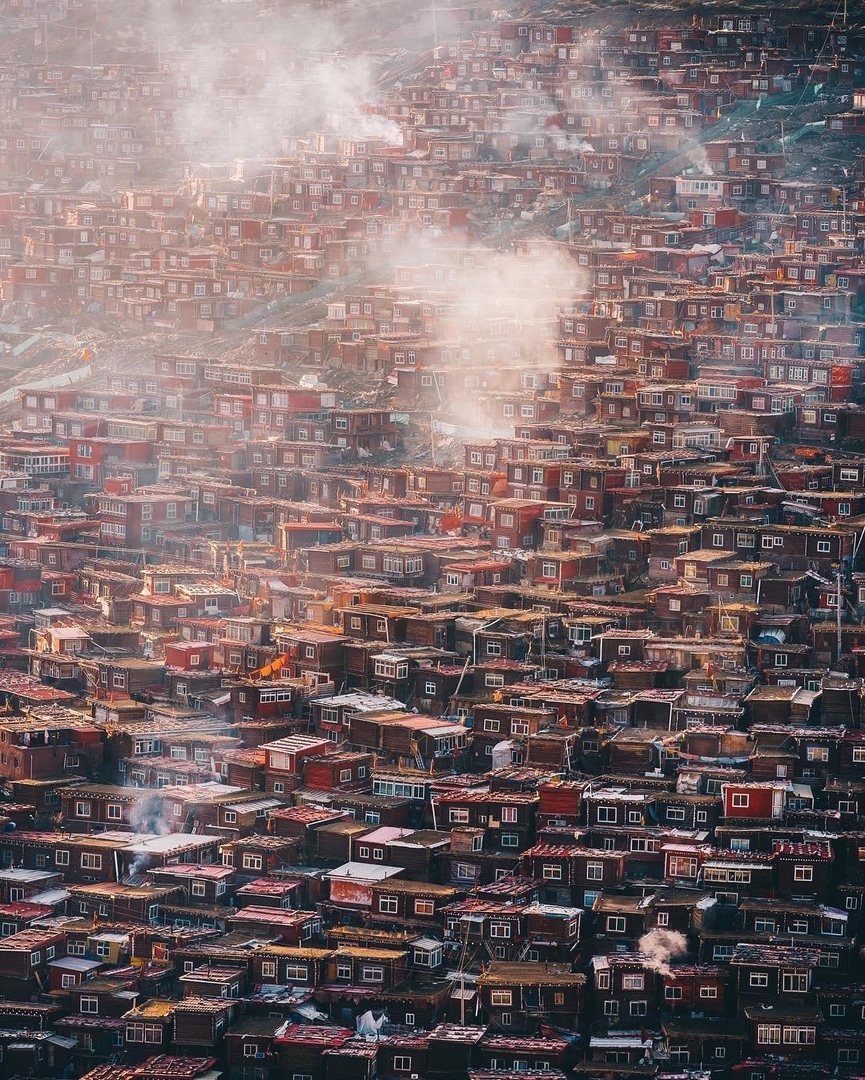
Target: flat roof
(363, 872)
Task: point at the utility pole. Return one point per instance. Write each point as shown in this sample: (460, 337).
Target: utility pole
(838, 616)
(432, 437)
(462, 992)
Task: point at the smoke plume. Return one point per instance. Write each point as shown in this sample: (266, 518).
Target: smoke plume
(659, 947)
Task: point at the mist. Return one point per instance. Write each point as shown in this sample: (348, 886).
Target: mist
(496, 308)
(245, 91)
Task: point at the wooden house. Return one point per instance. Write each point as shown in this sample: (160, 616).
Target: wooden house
(557, 989)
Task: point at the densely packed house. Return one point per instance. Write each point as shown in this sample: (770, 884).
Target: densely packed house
(468, 681)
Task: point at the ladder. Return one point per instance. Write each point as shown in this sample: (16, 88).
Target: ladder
(524, 951)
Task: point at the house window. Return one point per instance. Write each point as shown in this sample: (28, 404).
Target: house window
(595, 871)
(89, 1005)
(682, 866)
(615, 924)
(803, 873)
(799, 1036)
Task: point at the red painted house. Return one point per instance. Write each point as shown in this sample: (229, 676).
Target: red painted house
(755, 801)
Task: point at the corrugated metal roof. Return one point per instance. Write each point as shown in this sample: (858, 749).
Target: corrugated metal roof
(258, 804)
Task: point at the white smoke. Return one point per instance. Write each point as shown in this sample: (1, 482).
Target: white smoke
(147, 818)
(659, 947)
(700, 159)
(575, 144)
(497, 309)
(246, 92)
